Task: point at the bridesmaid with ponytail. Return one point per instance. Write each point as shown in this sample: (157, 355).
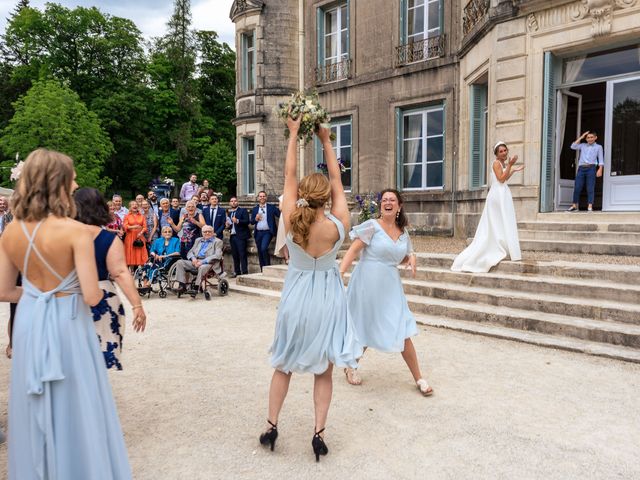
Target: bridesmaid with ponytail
(375, 296)
(312, 331)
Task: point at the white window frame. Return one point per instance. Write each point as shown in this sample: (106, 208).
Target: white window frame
(423, 138)
(337, 145)
(426, 32)
(248, 158)
(248, 81)
(342, 26)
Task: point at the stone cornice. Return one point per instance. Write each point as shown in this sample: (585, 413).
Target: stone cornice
(243, 7)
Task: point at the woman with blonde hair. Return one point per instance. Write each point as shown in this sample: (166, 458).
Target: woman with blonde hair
(313, 331)
(63, 421)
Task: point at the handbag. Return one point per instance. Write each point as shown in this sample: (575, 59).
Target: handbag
(138, 243)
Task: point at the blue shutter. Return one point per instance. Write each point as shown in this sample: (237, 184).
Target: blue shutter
(255, 61)
(399, 159)
(477, 143)
(320, 35)
(348, 29)
(317, 150)
(547, 173)
(243, 60)
(403, 22)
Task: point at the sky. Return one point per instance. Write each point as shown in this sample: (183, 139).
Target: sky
(150, 16)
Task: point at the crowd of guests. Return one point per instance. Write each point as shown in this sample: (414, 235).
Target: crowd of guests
(148, 219)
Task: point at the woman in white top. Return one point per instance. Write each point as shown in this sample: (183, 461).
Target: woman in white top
(497, 233)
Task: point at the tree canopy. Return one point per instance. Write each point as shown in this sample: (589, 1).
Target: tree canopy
(164, 105)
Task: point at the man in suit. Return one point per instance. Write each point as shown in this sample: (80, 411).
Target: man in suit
(265, 218)
(168, 217)
(238, 223)
(215, 216)
(205, 254)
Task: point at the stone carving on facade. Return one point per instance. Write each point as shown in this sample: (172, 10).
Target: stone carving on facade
(599, 11)
(240, 7)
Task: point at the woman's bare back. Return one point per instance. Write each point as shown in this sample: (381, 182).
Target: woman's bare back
(323, 235)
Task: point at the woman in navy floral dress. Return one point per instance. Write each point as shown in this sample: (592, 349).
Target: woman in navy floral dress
(190, 222)
(108, 315)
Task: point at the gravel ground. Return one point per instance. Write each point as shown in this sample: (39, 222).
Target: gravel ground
(193, 399)
(422, 243)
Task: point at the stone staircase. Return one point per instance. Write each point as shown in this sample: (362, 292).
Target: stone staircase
(590, 308)
(594, 233)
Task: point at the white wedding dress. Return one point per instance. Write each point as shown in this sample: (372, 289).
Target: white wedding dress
(496, 235)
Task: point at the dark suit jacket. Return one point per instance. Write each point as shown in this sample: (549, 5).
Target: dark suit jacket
(272, 213)
(218, 222)
(242, 227)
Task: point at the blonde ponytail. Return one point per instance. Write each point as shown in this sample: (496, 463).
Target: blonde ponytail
(315, 190)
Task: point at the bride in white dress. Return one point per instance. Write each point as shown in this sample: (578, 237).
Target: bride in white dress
(497, 233)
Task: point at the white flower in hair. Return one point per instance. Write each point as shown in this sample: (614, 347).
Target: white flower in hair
(302, 203)
(17, 171)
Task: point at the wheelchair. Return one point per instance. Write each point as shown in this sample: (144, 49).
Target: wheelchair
(211, 281)
(159, 276)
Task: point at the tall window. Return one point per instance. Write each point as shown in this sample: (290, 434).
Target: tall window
(249, 165)
(333, 42)
(421, 148)
(342, 146)
(478, 138)
(423, 19)
(248, 65)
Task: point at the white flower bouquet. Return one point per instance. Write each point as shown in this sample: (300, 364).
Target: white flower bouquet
(17, 171)
(313, 115)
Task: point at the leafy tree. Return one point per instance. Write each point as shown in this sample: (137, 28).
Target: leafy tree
(53, 116)
(219, 167)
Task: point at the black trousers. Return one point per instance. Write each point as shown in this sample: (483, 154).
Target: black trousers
(239, 254)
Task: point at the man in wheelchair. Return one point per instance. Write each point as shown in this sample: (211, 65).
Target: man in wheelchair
(204, 256)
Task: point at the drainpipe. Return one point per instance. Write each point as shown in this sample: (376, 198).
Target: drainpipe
(301, 70)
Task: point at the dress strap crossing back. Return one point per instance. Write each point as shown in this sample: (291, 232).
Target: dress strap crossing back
(32, 247)
(339, 226)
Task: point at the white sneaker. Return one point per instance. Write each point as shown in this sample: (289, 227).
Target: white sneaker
(590, 209)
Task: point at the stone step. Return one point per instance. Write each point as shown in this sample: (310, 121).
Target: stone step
(601, 271)
(549, 341)
(572, 247)
(464, 289)
(616, 333)
(584, 216)
(580, 226)
(581, 236)
(492, 330)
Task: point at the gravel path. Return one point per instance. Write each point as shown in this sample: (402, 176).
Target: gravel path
(193, 399)
(422, 243)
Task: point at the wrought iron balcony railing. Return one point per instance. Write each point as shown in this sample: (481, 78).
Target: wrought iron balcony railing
(474, 12)
(426, 49)
(332, 72)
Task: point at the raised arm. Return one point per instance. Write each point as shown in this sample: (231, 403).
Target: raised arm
(339, 206)
(291, 172)
(504, 175)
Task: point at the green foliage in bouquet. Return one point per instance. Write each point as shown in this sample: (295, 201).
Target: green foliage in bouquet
(313, 115)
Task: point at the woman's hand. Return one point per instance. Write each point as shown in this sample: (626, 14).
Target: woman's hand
(411, 264)
(293, 124)
(519, 168)
(324, 134)
(139, 319)
(513, 160)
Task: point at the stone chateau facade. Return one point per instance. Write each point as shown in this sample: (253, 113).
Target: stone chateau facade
(420, 90)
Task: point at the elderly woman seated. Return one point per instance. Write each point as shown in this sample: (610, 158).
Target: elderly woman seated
(164, 251)
(205, 254)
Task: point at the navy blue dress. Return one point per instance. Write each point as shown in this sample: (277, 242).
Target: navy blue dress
(108, 315)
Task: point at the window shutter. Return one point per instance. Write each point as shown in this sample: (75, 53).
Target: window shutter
(403, 22)
(255, 61)
(317, 149)
(320, 35)
(348, 23)
(547, 177)
(477, 144)
(399, 159)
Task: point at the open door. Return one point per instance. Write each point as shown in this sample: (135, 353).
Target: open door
(622, 146)
(568, 124)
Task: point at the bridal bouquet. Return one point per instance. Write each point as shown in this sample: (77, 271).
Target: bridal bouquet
(369, 206)
(313, 115)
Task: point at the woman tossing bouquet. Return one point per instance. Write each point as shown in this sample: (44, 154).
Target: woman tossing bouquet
(313, 114)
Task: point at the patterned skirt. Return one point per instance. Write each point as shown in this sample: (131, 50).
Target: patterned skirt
(108, 318)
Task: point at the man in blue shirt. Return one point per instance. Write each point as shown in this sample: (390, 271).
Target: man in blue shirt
(590, 166)
(205, 254)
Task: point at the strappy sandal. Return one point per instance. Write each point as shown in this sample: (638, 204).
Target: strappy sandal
(353, 378)
(424, 387)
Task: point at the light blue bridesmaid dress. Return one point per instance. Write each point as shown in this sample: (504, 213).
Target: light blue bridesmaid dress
(63, 423)
(376, 300)
(312, 328)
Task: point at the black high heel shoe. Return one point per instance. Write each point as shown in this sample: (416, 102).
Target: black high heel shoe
(270, 436)
(319, 447)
